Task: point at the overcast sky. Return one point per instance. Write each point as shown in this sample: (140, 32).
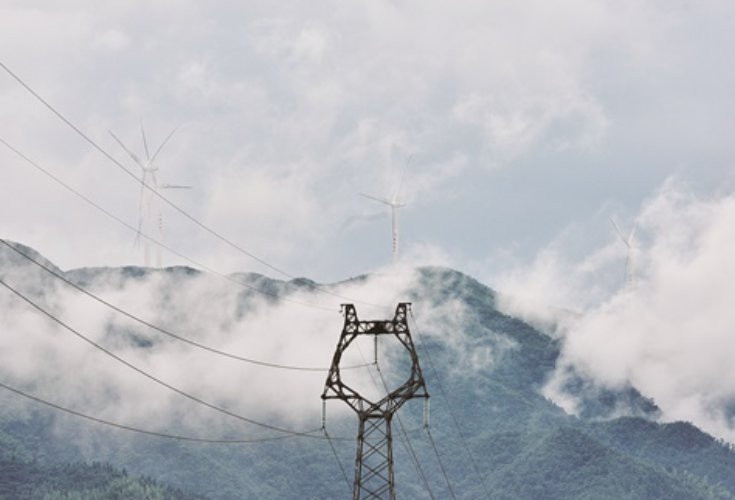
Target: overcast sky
(528, 125)
(525, 122)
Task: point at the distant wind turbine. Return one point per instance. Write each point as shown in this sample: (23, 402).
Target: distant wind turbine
(394, 203)
(630, 245)
(149, 208)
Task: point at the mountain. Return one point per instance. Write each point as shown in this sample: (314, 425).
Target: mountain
(492, 433)
(21, 479)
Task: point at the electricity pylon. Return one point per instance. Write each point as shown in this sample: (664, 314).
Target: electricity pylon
(374, 478)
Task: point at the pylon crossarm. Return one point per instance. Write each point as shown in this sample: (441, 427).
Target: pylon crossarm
(396, 399)
(344, 393)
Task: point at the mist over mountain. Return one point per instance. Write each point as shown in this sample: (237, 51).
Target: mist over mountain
(212, 384)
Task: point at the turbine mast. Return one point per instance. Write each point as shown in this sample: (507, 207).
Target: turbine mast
(394, 209)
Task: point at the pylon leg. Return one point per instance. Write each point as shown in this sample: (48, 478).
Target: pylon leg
(374, 478)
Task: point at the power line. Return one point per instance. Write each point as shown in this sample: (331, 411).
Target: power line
(409, 447)
(336, 457)
(159, 329)
(155, 192)
(149, 238)
(131, 174)
(153, 378)
(449, 407)
(441, 463)
(137, 430)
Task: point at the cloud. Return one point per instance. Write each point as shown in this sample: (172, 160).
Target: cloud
(671, 336)
(528, 116)
(340, 96)
(112, 40)
(559, 279)
(51, 361)
(514, 122)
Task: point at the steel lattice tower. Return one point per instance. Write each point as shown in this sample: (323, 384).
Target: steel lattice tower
(374, 477)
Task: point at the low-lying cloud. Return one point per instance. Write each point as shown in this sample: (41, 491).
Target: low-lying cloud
(52, 361)
(671, 336)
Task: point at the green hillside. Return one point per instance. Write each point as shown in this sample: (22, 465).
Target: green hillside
(492, 433)
(24, 477)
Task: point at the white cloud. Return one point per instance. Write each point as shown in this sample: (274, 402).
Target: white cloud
(670, 337)
(514, 120)
(348, 92)
(112, 40)
(522, 118)
(300, 331)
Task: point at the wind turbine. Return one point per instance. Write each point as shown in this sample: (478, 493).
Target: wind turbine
(394, 203)
(630, 245)
(149, 207)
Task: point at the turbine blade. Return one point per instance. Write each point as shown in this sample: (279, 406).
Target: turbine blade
(162, 145)
(395, 233)
(394, 200)
(132, 155)
(617, 230)
(632, 233)
(381, 200)
(174, 186)
(145, 143)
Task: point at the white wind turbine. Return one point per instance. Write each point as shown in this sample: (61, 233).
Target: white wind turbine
(149, 207)
(631, 246)
(394, 203)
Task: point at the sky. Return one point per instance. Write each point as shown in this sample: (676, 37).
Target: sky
(501, 124)
(512, 131)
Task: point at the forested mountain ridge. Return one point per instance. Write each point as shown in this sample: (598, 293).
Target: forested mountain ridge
(493, 433)
(24, 477)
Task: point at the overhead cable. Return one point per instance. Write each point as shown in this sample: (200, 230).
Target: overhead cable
(441, 463)
(307, 434)
(409, 447)
(155, 192)
(451, 413)
(336, 457)
(131, 174)
(141, 431)
(151, 239)
(159, 329)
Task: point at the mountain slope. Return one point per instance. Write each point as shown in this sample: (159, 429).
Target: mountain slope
(22, 477)
(492, 433)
